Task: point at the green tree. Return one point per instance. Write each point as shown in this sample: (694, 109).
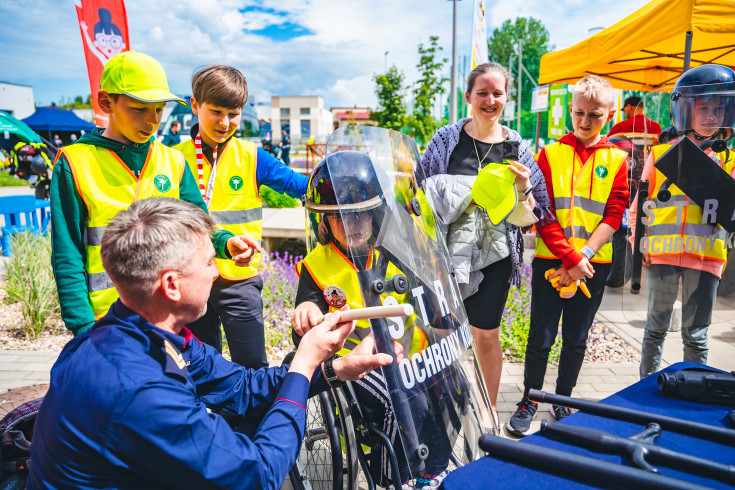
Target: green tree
(390, 90)
(422, 124)
(503, 48)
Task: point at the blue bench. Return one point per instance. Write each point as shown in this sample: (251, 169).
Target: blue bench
(20, 213)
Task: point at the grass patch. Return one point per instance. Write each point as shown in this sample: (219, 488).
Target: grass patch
(31, 281)
(7, 180)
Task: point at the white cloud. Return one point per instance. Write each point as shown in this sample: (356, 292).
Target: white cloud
(337, 60)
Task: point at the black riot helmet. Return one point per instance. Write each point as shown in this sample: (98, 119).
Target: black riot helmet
(345, 182)
(706, 84)
(38, 165)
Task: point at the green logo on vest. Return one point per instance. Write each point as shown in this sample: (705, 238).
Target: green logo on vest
(162, 183)
(601, 171)
(236, 183)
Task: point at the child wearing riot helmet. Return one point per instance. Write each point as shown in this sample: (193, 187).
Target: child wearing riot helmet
(345, 208)
(702, 110)
(104, 172)
(230, 171)
(586, 180)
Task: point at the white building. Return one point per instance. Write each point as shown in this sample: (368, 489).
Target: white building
(302, 116)
(16, 100)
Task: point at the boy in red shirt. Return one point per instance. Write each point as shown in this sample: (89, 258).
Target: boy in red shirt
(586, 178)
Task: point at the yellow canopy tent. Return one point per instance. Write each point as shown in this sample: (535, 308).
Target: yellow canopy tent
(649, 49)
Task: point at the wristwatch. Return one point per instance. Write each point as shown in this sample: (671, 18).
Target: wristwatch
(527, 190)
(329, 374)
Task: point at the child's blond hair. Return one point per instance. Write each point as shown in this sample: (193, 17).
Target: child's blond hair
(595, 88)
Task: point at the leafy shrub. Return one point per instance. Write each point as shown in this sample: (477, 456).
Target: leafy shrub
(517, 320)
(31, 281)
(275, 200)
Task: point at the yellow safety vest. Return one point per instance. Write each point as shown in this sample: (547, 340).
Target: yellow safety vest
(107, 186)
(688, 236)
(580, 194)
(236, 205)
(330, 267)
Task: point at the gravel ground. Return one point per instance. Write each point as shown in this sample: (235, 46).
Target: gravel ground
(603, 345)
(11, 334)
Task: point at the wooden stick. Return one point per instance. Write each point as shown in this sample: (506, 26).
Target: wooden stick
(374, 312)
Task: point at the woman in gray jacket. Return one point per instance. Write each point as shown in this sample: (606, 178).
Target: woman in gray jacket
(463, 149)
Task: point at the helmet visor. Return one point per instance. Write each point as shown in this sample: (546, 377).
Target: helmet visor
(703, 108)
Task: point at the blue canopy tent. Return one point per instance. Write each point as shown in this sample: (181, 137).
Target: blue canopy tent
(49, 120)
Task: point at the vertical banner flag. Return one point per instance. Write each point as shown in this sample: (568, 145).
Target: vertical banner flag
(558, 110)
(104, 27)
(479, 39)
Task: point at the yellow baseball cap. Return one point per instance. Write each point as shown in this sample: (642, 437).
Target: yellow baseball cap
(495, 191)
(139, 76)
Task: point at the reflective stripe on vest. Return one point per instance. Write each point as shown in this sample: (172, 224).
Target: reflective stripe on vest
(581, 192)
(329, 267)
(681, 218)
(107, 186)
(236, 205)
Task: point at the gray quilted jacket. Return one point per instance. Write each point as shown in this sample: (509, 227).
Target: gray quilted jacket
(473, 241)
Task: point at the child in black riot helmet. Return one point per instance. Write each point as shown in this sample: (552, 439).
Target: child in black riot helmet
(702, 110)
(345, 208)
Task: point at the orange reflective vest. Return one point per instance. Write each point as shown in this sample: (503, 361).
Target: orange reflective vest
(328, 266)
(580, 194)
(107, 186)
(676, 227)
(236, 205)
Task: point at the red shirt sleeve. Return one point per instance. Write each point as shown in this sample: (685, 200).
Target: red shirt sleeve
(618, 199)
(551, 233)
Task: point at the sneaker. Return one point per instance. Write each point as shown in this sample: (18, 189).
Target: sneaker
(520, 422)
(436, 481)
(560, 412)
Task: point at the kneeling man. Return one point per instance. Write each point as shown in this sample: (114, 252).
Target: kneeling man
(127, 406)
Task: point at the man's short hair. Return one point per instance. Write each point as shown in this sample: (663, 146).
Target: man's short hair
(220, 85)
(633, 101)
(175, 123)
(595, 88)
(151, 236)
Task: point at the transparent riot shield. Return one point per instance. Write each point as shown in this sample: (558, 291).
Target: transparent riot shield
(637, 143)
(436, 388)
(681, 225)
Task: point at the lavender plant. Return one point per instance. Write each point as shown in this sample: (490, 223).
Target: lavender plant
(280, 282)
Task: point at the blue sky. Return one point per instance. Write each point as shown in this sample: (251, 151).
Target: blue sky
(320, 47)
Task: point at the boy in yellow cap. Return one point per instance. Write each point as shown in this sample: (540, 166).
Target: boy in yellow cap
(230, 171)
(106, 171)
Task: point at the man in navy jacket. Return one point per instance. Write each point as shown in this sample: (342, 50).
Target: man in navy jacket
(127, 406)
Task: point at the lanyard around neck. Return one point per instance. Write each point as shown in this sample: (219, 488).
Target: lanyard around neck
(206, 191)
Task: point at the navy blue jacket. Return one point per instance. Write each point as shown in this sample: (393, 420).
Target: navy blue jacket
(127, 408)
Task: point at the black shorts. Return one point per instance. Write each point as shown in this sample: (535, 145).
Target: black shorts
(485, 307)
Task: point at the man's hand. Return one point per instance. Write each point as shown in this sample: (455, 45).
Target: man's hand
(646, 259)
(304, 317)
(582, 269)
(362, 359)
(242, 248)
(320, 343)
